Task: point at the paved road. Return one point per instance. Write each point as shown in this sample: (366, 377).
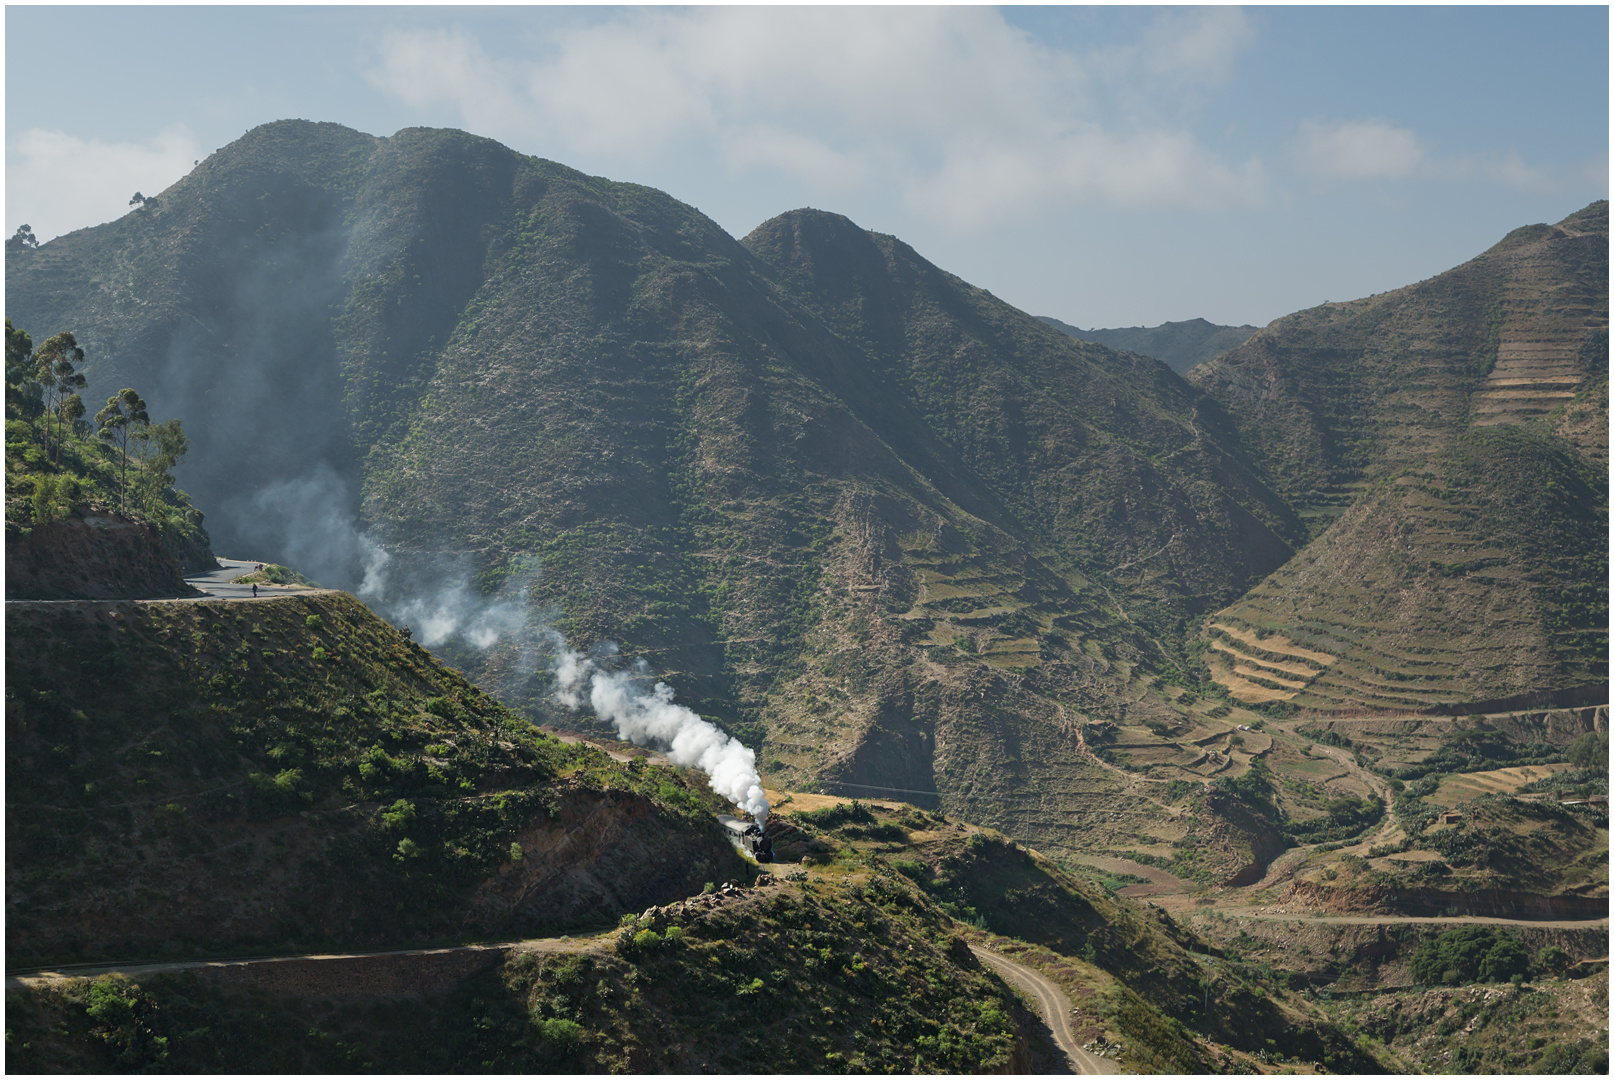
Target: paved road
(221, 582)
(1055, 1008)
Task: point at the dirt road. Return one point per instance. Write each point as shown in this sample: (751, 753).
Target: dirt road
(1051, 1000)
(1378, 920)
(19, 979)
(1055, 1007)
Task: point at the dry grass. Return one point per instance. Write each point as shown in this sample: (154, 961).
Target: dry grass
(1465, 786)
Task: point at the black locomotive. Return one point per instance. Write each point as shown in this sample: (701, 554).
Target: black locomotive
(756, 843)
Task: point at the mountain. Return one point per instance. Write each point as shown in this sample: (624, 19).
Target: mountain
(1181, 345)
(892, 532)
(1448, 443)
(802, 469)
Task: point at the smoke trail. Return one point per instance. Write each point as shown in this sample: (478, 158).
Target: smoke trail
(643, 716)
(453, 609)
(310, 519)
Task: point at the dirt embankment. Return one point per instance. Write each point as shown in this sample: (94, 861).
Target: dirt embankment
(95, 557)
(599, 854)
(1363, 955)
(1488, 903)
(385, 975)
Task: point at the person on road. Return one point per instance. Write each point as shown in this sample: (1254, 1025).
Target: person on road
(254, 590)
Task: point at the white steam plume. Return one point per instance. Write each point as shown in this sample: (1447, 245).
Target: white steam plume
(452, 608)
(642, 716)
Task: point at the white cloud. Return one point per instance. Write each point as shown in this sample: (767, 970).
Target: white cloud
(1349, 150)
(428, 67)
(1595, 172)
(57, 182)
(955, 111)
(1357, 150)
(977, 185)
(1197, 45)
(1513, 171)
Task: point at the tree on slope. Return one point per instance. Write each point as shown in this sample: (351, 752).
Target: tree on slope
(57, 371)
(123, 419)
(158, 448)
(22, 388)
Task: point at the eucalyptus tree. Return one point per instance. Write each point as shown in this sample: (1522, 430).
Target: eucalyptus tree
(22, 388)
(56, 370)
(123, 419)
(158, 448)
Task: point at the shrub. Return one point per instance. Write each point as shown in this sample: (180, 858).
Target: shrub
(1552, 959)
(831, 817)
(108, 1006)
(1467, 954)
(399, 815)
(1589, 751)
(561, 1036)
(314, 622)
(279, 792)
(913, 869)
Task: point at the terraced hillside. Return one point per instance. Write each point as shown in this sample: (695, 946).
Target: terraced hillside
(1448, 444)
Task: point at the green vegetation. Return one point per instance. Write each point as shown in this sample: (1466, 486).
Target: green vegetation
(813, 979)
(1133, 970)
(368, 797)
(1470, 954)
(1540, 1028)
(1589, 751)
(56, 467)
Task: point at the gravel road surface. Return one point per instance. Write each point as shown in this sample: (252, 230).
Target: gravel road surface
(1055, 1007)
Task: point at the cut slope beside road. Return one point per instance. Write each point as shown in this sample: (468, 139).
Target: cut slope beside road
(1055, 1007)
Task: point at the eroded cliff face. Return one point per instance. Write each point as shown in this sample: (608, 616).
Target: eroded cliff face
(600, 855)
(99, 556)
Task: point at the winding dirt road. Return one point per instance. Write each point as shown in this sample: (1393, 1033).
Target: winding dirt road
(1050, 999)
(1055, 1008)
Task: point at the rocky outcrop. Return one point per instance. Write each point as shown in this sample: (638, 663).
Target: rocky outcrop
(600, 854)
(99, 556)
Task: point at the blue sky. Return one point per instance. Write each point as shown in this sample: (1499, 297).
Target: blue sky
(1110, 166)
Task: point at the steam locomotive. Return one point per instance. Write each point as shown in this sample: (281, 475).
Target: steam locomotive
(748, 836)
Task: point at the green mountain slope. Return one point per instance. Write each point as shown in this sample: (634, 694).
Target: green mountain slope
(1448, 443)
(226, 776)
(585, 396)
(885, 528)
(1180, 345)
